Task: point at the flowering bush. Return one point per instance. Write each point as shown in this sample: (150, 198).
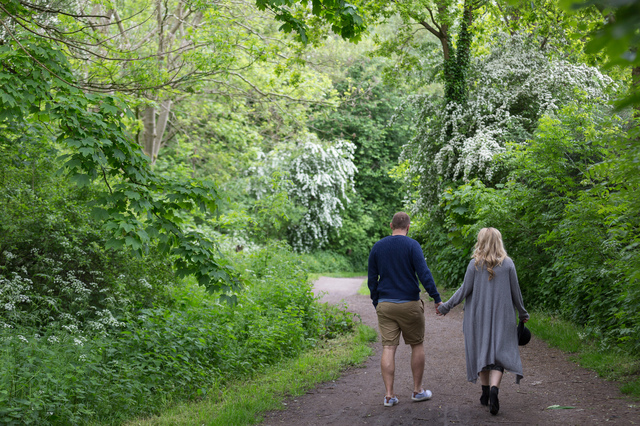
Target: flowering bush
(317, 177)
(55, 273)
(509, 90)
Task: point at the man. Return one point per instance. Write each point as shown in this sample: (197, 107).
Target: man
(394, 262)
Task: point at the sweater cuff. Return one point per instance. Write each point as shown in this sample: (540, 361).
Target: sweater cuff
(443, 309)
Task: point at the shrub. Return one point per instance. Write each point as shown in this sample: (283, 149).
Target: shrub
(166, 353)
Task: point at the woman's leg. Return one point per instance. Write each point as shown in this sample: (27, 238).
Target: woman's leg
(484, 377)
(484, 381)
(495, 378)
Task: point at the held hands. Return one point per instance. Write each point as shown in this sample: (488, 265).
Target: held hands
(437, 311)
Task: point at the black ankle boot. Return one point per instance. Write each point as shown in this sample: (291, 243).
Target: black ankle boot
(494, 404)
(484, 399)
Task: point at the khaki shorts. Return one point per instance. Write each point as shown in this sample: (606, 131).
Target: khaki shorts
(407, 318)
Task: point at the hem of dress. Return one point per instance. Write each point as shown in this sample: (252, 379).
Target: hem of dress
(518, 377)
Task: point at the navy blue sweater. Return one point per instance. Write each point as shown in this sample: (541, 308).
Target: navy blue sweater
(394, 262)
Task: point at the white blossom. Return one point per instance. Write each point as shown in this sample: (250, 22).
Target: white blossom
(9, 255)
(320, 177)
(509, 90)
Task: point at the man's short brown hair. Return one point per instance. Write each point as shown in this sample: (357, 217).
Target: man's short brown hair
(400, 221)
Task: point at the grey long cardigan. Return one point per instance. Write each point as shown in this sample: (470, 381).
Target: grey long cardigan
(489, 326)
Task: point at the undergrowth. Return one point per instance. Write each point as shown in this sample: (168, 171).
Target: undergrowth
(242, 402)
(165, 353)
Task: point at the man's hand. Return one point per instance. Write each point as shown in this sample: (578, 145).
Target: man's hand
(437, 311)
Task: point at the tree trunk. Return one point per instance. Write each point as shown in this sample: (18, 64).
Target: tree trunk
(150, 134)
(154, 128)
(165, 108)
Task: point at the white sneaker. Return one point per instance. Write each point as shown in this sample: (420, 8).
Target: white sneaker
(390, 401)
(421, 396)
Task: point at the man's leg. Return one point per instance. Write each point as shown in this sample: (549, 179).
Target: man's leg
(417, 365)
(388, 366)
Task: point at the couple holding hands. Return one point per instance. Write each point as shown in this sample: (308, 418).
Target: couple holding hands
(491, 293)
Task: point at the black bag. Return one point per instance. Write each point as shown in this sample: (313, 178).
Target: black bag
(524, 334)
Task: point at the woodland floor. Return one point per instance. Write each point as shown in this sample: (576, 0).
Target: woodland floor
(550, 378)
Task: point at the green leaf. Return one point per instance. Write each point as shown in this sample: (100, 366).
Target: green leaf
(133, 242)
(114, 243)
(99, 213)
(81, 179)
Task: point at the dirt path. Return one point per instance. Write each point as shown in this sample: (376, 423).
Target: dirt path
(550, 379)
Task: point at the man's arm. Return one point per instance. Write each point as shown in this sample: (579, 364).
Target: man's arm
(372, 278)
(424, 274)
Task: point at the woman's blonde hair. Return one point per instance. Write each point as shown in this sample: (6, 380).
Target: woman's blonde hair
(489, 250)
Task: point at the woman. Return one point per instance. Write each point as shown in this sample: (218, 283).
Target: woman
(492, 292)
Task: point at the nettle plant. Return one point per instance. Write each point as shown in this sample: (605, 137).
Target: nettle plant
(509, 90)
(317, 177)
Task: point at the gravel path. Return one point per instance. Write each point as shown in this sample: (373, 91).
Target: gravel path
(550, 379)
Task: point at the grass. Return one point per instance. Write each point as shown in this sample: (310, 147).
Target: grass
(364, 289)
(609, 363)
(445, 293)
(243, 402)
(314, 276)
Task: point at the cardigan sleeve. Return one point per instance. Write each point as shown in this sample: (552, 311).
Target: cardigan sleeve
(465, 289)
(516, 294)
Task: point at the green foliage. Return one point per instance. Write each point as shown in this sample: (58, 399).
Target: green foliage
(568, 221)
(326, 261)
(163, 353)
(54, 268)
(242, 402)
(345, 19)
(365, 117)
(456, 66)
(136, 206)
